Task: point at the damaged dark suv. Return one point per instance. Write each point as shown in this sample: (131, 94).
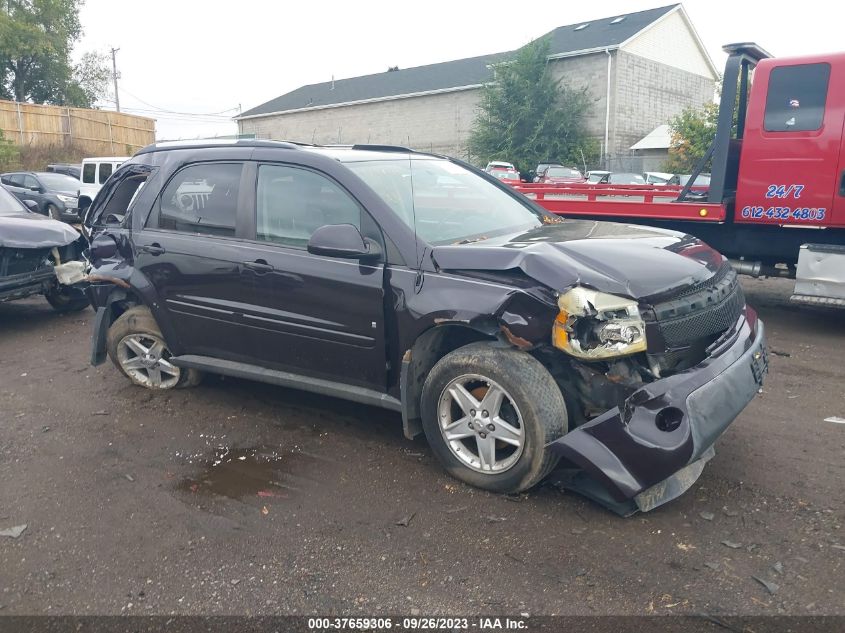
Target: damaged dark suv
(514, 339)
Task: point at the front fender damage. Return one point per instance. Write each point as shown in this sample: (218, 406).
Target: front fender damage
(519, 317)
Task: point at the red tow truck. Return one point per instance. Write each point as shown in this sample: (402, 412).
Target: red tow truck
(776, 201)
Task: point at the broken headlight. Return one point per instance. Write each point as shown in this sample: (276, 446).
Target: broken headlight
(594, 325)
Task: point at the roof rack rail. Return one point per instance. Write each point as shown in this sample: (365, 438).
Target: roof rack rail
(209, 143)
(383, 148)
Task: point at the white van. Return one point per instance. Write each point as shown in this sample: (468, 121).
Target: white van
(95, 172)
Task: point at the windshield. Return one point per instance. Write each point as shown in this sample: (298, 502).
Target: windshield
(59, 182)
(562, 172)
(444, 202)
(9, 205)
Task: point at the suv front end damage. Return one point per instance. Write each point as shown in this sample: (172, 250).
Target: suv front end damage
(650, 383)
(38, 256)
(652, 446)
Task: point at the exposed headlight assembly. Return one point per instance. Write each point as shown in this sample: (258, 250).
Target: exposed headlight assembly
(64, 198)
(593, 325)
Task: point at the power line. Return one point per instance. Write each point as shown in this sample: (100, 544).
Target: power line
(156, 108)
(175, 117)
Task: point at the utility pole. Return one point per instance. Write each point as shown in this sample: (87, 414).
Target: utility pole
(114, 69)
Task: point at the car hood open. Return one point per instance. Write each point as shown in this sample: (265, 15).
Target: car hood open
(621, 259)
(30, 230)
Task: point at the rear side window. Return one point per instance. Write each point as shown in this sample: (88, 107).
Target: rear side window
(796, 98)
(89, 173)
(16, 180)
(202, 199)
(105, 171)
(293, 203)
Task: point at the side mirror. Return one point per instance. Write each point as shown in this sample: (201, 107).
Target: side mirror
(32, 205)
(36, 189)
(102, 246)
(342, 240)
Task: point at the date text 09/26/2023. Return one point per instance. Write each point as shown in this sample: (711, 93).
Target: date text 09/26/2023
(418, 623)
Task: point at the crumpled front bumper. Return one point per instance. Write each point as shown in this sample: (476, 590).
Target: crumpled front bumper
(653, 448)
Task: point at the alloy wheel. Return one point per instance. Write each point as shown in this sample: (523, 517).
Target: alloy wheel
(481, 424)
(146, 359)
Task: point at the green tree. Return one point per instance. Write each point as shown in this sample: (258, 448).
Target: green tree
(36, 41)
(527, 116)
(90, 80)
(691, 133)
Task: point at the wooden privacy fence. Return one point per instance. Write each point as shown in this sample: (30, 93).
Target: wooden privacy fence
(97, 132)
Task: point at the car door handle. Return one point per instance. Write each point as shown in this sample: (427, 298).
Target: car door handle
(152, 249)
(259, 266)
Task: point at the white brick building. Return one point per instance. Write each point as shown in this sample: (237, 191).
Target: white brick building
(641, 69)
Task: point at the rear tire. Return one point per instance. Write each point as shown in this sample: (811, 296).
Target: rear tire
(67, 299)
(137, 347)
(488, 414)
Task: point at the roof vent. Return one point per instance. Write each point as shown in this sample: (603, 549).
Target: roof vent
(582, 27)
(618, 20)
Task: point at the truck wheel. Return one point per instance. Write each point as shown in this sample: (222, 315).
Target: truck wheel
(66, 299)
(138, 349)
(488, 414)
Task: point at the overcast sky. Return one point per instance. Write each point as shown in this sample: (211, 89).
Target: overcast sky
(204, 59)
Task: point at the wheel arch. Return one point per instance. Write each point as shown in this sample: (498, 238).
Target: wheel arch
(111, 303)
(428, 348)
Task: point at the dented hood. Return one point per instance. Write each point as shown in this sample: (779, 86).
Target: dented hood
(30, 230)
(621, 259)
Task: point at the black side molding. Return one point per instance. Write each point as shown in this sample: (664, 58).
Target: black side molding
(287, 379)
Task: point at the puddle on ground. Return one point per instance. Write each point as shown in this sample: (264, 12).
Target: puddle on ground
(260, 473)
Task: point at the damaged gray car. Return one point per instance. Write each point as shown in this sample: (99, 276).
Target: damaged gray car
(514, 339)
(39, 256)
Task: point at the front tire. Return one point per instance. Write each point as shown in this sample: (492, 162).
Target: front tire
(52, 212)
(488, 414)
(137, 347)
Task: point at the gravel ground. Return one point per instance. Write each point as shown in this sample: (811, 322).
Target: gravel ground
(241, 498)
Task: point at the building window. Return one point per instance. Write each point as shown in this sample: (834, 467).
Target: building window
(796, 98)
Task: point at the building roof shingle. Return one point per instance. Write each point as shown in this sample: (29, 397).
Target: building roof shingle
(607, 32)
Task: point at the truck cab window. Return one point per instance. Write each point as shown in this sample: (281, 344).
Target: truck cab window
(796, 98)
(88, 172)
